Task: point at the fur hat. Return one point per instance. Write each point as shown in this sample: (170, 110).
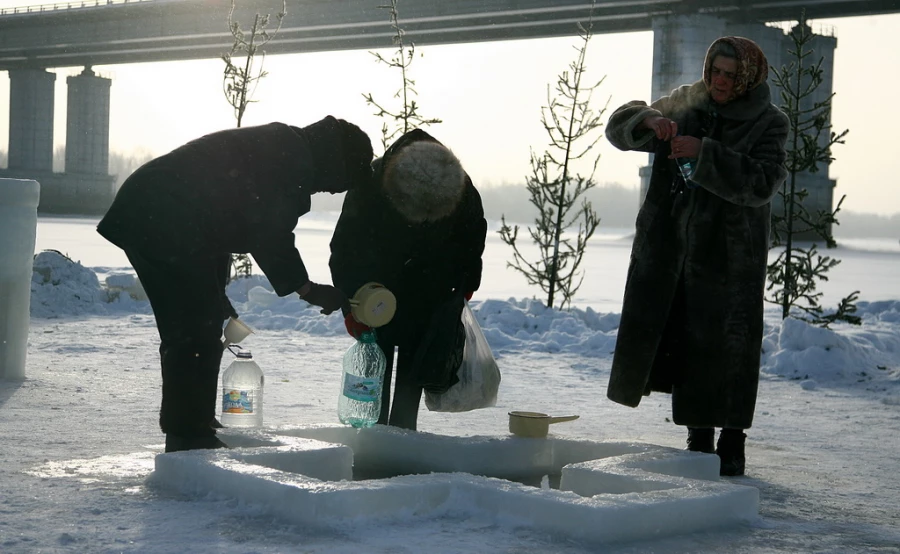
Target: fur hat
(424, 181)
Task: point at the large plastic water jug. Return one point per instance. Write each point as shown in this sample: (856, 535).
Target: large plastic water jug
(360, 401)
(242, 392)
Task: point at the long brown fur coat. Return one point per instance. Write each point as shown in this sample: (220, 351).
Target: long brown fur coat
(692, 316)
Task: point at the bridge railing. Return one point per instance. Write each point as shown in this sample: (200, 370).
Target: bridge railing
(39, 8)
(819, 29)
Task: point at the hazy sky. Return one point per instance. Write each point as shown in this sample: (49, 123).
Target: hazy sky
(489, 96)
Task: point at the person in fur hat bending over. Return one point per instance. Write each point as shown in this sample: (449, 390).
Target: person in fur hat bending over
(692, 314)
(419, 230)
(180, 217)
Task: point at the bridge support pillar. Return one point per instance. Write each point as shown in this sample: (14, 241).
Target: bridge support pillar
(818, 185)
(86, 186)
(679, 48)
(87, 124)
(31, 119)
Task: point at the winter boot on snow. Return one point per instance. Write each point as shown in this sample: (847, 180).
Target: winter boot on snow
(176, 443)
(730, 449)
(190, 372)
(701, 439)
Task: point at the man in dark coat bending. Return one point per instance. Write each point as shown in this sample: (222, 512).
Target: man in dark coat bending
(419, 230)
(181, 216)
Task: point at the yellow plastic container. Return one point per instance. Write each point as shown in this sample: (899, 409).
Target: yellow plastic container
(373, 305)
(534, 424)
(236, 331)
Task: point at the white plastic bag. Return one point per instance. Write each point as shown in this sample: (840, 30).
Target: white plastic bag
(479, 376)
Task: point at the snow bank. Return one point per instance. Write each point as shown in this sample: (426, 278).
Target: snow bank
(868, 355)
(509, 325)
(62, 287)
(530, 325)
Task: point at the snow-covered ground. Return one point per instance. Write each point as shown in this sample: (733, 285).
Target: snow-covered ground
(80, 433)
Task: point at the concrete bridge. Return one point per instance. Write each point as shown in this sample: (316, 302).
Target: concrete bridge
(103, 32)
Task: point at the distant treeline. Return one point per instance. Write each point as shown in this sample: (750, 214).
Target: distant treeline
(120, 164)
(617, 205)
(860, 225)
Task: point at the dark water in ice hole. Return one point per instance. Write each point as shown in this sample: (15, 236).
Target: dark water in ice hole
(366, 473)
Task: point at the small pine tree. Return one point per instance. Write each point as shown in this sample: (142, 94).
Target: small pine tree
(407, 117)
(794, 273)
(239, 83)
(572, 126)
(240, 80)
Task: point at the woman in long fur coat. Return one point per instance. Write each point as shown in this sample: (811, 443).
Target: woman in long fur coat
(692, 315)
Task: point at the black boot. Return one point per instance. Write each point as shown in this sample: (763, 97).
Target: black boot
(190, 373)
(175, 443)
(730, 449)
(701, 439)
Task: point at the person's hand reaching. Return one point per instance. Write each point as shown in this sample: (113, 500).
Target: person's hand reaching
(327, 297)
(663, 127)
(685, 147)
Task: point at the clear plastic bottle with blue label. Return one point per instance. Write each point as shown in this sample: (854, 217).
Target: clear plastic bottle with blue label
(686, 168)
(364, 364)
(242, 392)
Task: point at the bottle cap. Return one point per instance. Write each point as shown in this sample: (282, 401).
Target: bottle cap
(245, 354)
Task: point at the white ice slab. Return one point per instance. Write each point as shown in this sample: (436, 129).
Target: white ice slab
(331, 476)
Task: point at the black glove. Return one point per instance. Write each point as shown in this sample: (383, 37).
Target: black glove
(326, 297)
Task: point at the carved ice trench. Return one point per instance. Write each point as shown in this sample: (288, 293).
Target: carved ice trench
(599, 490)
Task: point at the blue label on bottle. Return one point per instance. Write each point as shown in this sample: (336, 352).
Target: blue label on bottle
(361, 388)
(236, 402)
(686, 166)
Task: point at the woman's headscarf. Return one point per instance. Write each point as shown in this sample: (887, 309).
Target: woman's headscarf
(752, 66)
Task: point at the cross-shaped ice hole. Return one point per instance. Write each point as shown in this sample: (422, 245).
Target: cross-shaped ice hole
(599, 491)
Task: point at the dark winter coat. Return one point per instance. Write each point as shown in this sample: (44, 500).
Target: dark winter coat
(238, 191)
(692, 315)
(387, 238)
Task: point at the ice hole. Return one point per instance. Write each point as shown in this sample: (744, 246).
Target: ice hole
(385, 453)
(595, 490)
